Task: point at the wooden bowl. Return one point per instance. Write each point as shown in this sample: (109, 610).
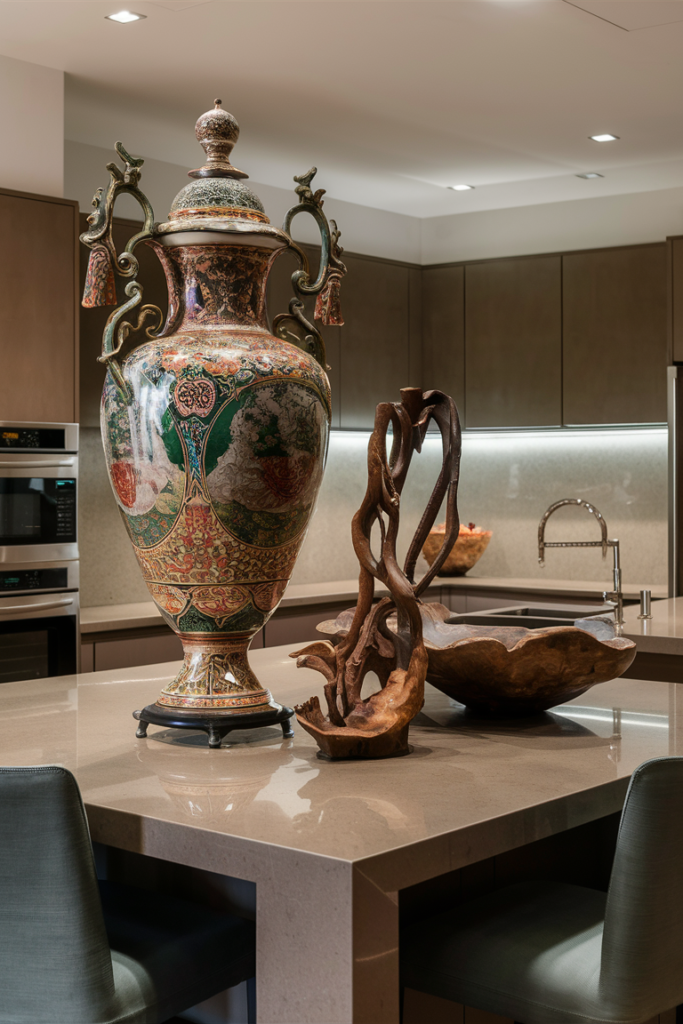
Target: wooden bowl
(467, 550)
(510, 671)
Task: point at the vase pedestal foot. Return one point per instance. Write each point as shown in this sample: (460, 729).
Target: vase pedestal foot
(217, 726)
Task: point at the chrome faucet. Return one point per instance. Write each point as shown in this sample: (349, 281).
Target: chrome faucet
(615, 596)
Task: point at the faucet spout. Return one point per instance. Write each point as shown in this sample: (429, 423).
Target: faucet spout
(604, 543)
(542, 543)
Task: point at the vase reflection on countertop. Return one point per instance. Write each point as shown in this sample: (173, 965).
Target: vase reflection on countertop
(215, 430)
(216, 790)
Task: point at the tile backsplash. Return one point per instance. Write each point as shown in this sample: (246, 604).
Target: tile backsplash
(507, 480)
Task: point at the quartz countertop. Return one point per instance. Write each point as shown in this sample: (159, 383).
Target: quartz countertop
(461, 775)
(663, 633)
(328, 845)
(105, 618)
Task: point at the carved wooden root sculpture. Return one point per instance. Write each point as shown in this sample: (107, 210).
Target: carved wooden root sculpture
(378, 727)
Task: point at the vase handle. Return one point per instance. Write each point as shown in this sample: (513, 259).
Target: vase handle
(100, 288)
(326, 286)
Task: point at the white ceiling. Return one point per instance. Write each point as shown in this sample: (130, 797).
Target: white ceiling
(392, 101)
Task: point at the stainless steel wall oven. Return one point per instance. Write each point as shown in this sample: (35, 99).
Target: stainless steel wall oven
(39, 568)
(38, 492)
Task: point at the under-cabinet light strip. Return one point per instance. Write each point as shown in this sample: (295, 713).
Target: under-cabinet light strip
(559, 433)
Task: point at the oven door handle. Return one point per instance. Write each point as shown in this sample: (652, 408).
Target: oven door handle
(8, 609)
(39, 464)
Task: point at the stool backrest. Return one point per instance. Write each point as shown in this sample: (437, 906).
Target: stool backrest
(642, 947)
(55, 962)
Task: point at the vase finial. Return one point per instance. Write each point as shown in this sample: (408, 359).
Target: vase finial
(217, 132)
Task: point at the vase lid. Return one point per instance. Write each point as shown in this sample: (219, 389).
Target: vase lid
(216, 193)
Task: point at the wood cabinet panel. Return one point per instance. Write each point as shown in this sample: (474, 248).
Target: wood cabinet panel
(675, 298)
(513, 343)
(375, 338)
(614, 335)
(38, 326)
(443, 332)
(279, 293)
(92, 321)
(298, 625)
(128, 653)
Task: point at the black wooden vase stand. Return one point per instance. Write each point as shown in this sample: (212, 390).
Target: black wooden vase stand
(217, 726)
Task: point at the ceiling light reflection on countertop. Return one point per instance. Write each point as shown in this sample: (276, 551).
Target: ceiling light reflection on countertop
(460, 188)
(604, 138)
(590, 174)
(125, 17)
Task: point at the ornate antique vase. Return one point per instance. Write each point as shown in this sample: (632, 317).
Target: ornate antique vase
(215, 430)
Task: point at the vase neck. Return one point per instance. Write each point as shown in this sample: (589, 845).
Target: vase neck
(219, 285)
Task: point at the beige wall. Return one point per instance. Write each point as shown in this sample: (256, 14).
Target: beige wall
(507, 481)
(31, 127)
(554, 227)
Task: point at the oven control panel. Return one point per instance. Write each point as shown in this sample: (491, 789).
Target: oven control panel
(32, 579)
(37, 439)
(65, 502)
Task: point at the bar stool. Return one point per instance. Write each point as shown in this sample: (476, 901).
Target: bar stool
(75, 952)
(550, 953)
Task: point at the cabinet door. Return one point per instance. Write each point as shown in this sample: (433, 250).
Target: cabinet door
(279, 293)
(614, 313)
(513, 343)
(675, 299)
(38, 340)
(443, 332)
(377, 354)
(92, 320)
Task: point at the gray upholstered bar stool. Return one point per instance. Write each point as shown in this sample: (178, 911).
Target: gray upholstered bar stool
(548, 953)
(75, 952)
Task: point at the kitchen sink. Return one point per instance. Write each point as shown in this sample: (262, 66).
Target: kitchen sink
(536, 616)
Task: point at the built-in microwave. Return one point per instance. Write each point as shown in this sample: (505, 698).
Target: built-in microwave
(38, 492)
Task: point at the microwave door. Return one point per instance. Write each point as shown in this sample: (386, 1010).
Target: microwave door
(38, 509)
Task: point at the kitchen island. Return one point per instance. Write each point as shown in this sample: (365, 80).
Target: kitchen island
(332, 847)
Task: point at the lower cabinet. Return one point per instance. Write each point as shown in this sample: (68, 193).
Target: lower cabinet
(128, 651)
(295, 626)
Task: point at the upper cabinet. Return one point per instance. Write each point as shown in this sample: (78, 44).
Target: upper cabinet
(675, 279)
(531, 341)
(513, 342)
(443, 332)
(279, 293)
(380, 339)
(614, 335)
(38, 303)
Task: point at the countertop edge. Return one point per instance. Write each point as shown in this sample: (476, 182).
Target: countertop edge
(139, 615)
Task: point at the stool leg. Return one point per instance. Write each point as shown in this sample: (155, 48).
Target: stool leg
(251, 1001)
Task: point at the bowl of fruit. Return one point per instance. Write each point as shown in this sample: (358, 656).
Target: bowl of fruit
(469, 547)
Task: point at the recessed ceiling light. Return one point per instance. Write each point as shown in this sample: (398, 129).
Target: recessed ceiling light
(590, 174)
(604, 138)
(461, 188)
(123, 17)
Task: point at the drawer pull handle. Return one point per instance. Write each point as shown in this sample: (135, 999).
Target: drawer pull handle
(39, 464)
(8, 609)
